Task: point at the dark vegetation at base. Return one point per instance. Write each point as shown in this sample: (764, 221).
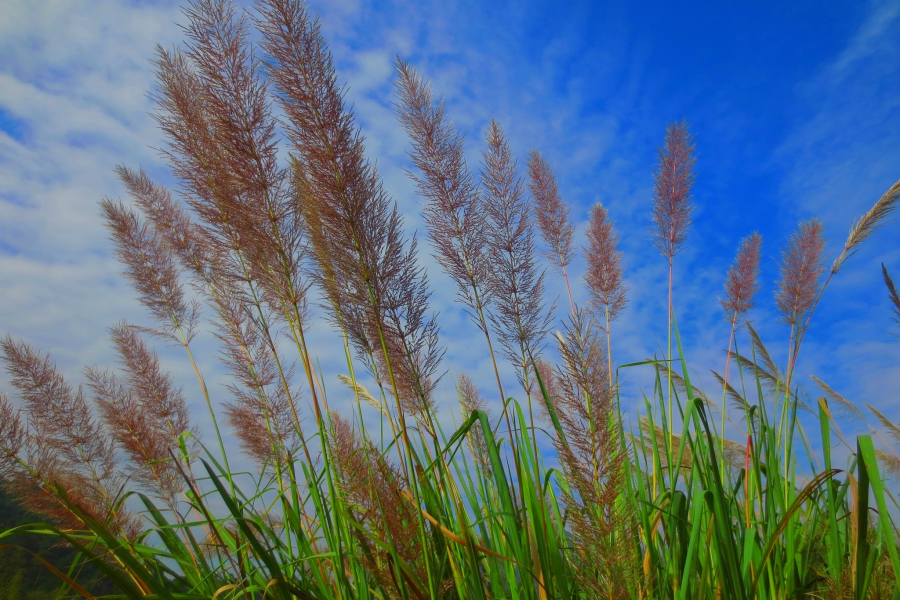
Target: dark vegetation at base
(24, 577)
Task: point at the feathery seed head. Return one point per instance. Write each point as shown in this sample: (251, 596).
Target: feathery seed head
(603, 277)
(470, 400)
(552, 215)
(672, 190)
(521, 317)
(151, 268)
(455, 223)
(867, 224)
(369, 272)
(893, 296)
(145, 413)
(372, 486)
(801, 267)
(741, 282)
(63, 446)
(170, 221)
(592, 458)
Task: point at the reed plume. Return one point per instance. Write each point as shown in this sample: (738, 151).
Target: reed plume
(893, 296)
(867, 224)
(470, 400)
(521, 318)
(12, 437)
(214, 110)
(152, 271)
(552, 216)
(892, 429)
(270, 230)
(145, 414)
(862, 228)
(357, 230)
(13, 441)
(593, 461)
(175, 237)
(802, 265)
(842, 403)
(741, 281)
(373, 490)
(456, 224)
(672, 206)
(262, 412)
(603, 278)
(740, 288)
(363, 394)
(155, 388)
(64, 446)
(172, 224)
(253, 193)
(548, 377)
(673, 180)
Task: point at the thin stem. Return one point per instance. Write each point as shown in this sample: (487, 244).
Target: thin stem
(609, 348)
(669, 362)
(568, 288)
(725, 390)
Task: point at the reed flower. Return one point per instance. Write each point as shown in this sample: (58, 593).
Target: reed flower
(893, 296)
(672, 209)
(12, 436)
(470, 400)
(741, 281)
(552, 216)
(214, 110)
(801, 267)
(456, 226)
(262, 412)
(867, 224)
(250, 204)
(163, 402)
(152, 270)
(674, 178)
(64, 446)
(838, 400)
(521, 317)
(174, 227)
(357, 230)
(593, 461)
(373, 490)
(603, 278)
(144, 413)
(740, 288)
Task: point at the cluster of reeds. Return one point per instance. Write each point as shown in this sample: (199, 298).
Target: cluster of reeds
(674, 509)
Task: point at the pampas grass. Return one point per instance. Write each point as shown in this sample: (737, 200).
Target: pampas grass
(382, 501)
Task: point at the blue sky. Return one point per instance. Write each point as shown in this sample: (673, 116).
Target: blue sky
(794, 109)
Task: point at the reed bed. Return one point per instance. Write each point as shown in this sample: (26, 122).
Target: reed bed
(671, 509)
